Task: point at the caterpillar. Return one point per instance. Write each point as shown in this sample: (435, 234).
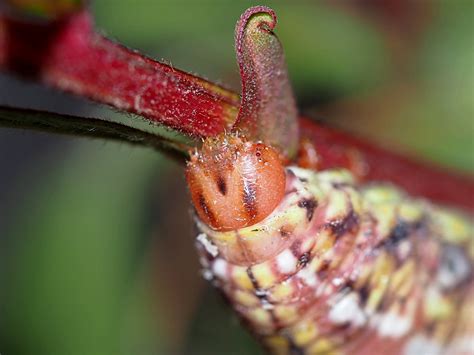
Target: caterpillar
(313, 260)
(316, 263)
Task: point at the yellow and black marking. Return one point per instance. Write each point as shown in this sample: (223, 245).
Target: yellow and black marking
(344, 269)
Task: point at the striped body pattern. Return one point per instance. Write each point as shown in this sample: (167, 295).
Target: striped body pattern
(340, 268)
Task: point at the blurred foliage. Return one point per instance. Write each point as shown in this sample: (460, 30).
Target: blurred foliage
(319, 41)
(446, 63)
(426, 108)
(76, 271)
(47, 9)
(216, 331)
(72, 274)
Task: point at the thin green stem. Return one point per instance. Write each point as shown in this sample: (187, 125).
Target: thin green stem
(89, 127)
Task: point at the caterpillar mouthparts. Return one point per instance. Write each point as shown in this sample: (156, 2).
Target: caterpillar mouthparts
(337, 268)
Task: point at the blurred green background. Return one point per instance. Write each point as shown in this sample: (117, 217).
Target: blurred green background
(96, 242)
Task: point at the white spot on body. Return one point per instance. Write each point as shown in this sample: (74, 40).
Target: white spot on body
(347, 310)
(207, 274)
(219, 268)
(420, 344)
(394, 325)
(286, 262)
(266, 305)
(207, 244)
(327, 290)
(463, 345)
(338, 281)
(308, 276)
(404, 249)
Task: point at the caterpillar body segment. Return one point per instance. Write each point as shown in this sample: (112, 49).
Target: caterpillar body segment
(338, 268)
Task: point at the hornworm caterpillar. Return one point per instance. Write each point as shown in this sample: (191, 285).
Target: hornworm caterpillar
(334, 267)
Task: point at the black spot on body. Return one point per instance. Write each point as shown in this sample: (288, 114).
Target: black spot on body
(363, 293)
(400, 232)
(347, 224)
(294, 349)
(221, 185)
(342, 327)
(205, 209)
(249, 198)
(252, 278)
(348, 285)
(261, 295)
(309, 204)
(324, 269)
(383, 304)
(340, 185)
(285, 232)
(430, 328)
(295, 247)
(303, 259)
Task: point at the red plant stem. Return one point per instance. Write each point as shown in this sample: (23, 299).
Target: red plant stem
(70, 56)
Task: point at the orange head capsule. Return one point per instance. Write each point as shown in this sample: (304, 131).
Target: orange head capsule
(235, 183)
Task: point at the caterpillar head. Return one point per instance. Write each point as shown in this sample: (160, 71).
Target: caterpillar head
(235, 183)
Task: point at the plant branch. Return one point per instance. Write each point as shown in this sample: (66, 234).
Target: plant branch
(90, 128)
(69, 55)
